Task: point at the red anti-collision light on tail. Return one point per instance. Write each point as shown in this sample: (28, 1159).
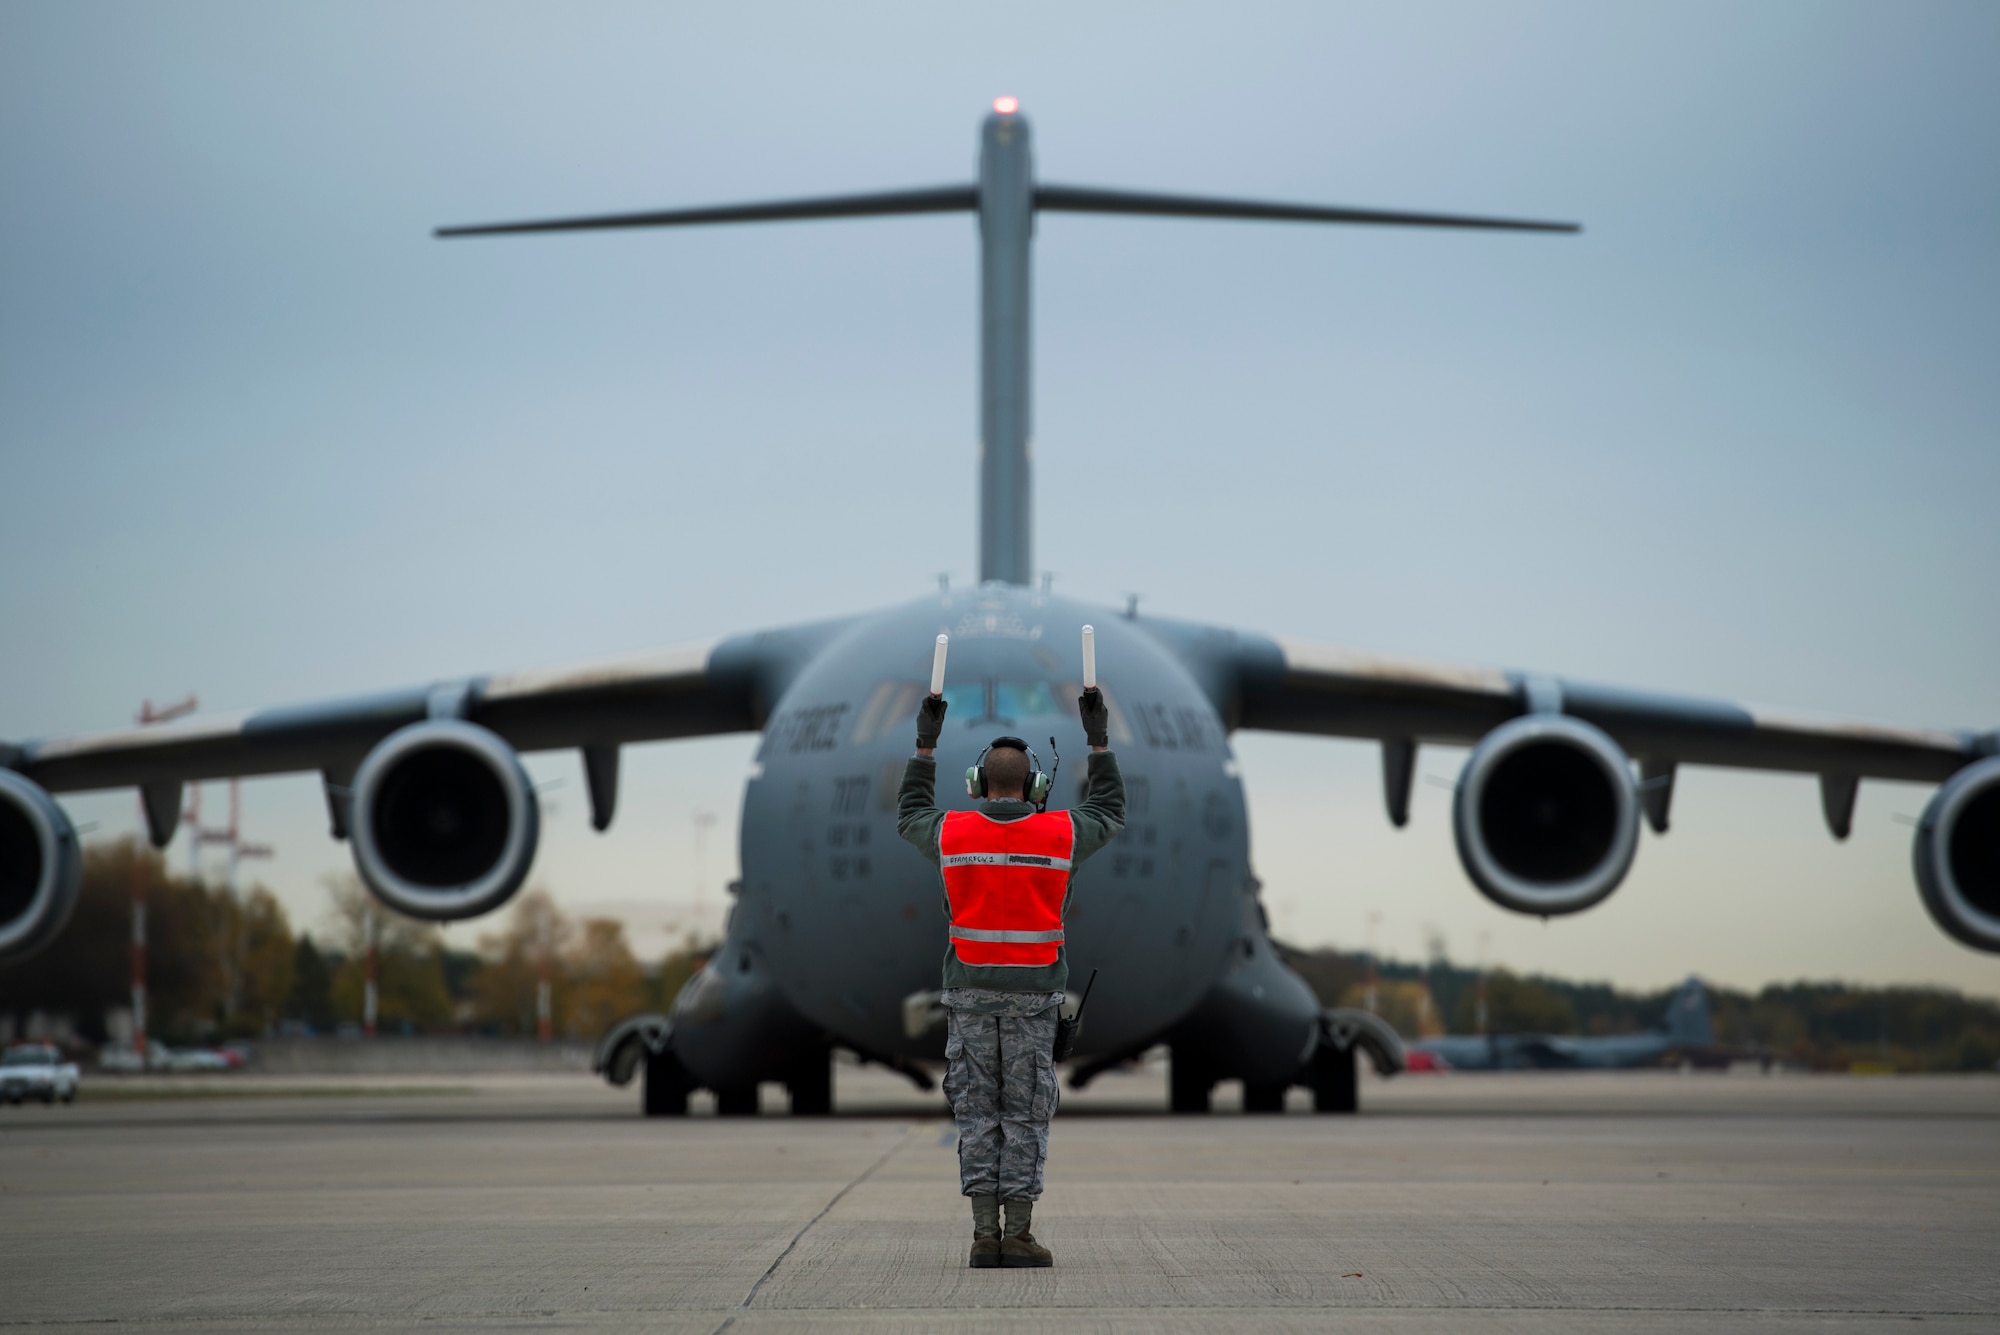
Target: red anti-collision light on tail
(1006, 106)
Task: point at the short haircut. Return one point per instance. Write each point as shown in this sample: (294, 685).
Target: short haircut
(1006, 772)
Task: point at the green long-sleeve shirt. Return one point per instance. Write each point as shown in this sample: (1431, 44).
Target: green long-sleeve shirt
(1096, 820)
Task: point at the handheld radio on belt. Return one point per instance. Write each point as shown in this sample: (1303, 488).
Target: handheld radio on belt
(1069, 1026)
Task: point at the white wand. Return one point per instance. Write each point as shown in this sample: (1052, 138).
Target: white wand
(1089, 659)
(937, 665)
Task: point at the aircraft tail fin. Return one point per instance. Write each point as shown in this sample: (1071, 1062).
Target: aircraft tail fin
(1688, 1020)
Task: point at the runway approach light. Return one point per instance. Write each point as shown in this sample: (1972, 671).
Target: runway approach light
(1006, 106)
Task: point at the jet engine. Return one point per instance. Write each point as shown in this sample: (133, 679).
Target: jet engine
(1546, 815)
(40, 868)
(1958, 855)
(444, 820)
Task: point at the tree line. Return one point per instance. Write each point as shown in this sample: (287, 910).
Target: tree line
(223, 966)
(1821, 1025)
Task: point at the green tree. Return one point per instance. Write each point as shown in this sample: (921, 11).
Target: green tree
(409, 962)
(1516, 1005)
(311, 997)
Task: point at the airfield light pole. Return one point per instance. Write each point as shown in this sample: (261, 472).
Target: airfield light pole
(1374, 921)
(139, 951)
(192, 819)
(147, 715)
(544, 992)
(1479, 996)
(1006, 197)
(369, 996)
(233, 836)
(704, 821)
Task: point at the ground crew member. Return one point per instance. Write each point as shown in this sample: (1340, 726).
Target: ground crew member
(1006, 870)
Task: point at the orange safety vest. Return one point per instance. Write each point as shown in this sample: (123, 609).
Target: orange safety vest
(1006, 880)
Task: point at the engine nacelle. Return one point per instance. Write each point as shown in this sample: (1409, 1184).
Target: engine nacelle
(444, 820)
(1958, 855)
(1546, 815)
(40, 867)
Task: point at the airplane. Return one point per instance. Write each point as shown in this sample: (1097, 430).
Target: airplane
(835, 934)
(1686, 1025)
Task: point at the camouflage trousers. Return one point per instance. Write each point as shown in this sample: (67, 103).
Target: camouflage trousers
(1000, 1079)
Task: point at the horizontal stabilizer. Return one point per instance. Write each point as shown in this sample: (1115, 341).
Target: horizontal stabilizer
(1086, 199)
(941, 199)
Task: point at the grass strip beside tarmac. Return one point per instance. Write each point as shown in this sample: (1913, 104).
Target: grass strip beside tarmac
(103, 1093)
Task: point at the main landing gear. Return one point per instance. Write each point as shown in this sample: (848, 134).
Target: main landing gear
(1330, 1075)
(668, 1085)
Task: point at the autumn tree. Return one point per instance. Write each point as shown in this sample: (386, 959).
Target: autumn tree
(409, 964)
(594, 979)
(1516, 1005)
(311, 995)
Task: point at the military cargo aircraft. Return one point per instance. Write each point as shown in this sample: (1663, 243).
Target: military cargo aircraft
(1686, 1026)
(835, 935)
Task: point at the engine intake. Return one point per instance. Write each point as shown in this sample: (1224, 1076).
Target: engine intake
(40, 868)
(1958, 855)
(1546, 815)
(444, 820)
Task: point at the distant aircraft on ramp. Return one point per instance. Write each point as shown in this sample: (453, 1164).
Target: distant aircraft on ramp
(1686, 1026)
(835, 937)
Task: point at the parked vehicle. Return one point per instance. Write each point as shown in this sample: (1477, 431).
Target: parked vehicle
(124, 1058)
(36, 1071)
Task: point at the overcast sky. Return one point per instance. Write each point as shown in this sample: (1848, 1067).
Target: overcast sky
(263, 438)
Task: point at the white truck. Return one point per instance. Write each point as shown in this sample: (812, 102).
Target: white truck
(36, 1071)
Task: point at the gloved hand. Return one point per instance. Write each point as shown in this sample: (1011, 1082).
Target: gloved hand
(930, 722)
(1096, 718)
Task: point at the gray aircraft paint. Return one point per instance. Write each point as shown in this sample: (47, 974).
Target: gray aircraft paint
(1006, 233)
(825, 877)
(1686, 1026)
(837, 922)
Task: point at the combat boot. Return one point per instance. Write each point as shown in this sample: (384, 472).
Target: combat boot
(985, 1233)
(1018, 1247)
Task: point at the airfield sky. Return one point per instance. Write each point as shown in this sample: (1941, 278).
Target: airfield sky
(262, 437)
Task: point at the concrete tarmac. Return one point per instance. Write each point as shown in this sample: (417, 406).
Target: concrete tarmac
(1509, 1203)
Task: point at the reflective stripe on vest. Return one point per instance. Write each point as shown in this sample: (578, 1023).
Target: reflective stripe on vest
(1006, 881)
(1003, 860)
(987, 934)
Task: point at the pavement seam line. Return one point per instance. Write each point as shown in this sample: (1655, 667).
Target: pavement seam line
(806, 1228)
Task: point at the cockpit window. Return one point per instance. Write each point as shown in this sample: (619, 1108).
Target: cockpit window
(1023, 699)
(965, 700)
(892, 705)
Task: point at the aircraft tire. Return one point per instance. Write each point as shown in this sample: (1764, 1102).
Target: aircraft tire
(1264, 1096)
(666, 1088)
(736, 1101)
(811, 1087)
(1335, 1086)
(1188, 1085)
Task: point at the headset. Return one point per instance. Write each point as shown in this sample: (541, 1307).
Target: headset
(1038, 784)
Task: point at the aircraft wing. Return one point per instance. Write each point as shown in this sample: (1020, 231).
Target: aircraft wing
(693, 690)
(1284, 685)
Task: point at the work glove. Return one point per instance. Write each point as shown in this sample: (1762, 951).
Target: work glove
(930, 722)
(1096, 718)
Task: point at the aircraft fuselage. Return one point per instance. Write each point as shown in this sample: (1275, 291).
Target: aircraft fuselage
(847, 920)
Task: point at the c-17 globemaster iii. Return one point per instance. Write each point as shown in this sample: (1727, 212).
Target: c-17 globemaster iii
(836, 935)
(1686, 1028)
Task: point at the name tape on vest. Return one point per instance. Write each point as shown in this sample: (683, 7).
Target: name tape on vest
(1004, 860)
(1007, 937)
